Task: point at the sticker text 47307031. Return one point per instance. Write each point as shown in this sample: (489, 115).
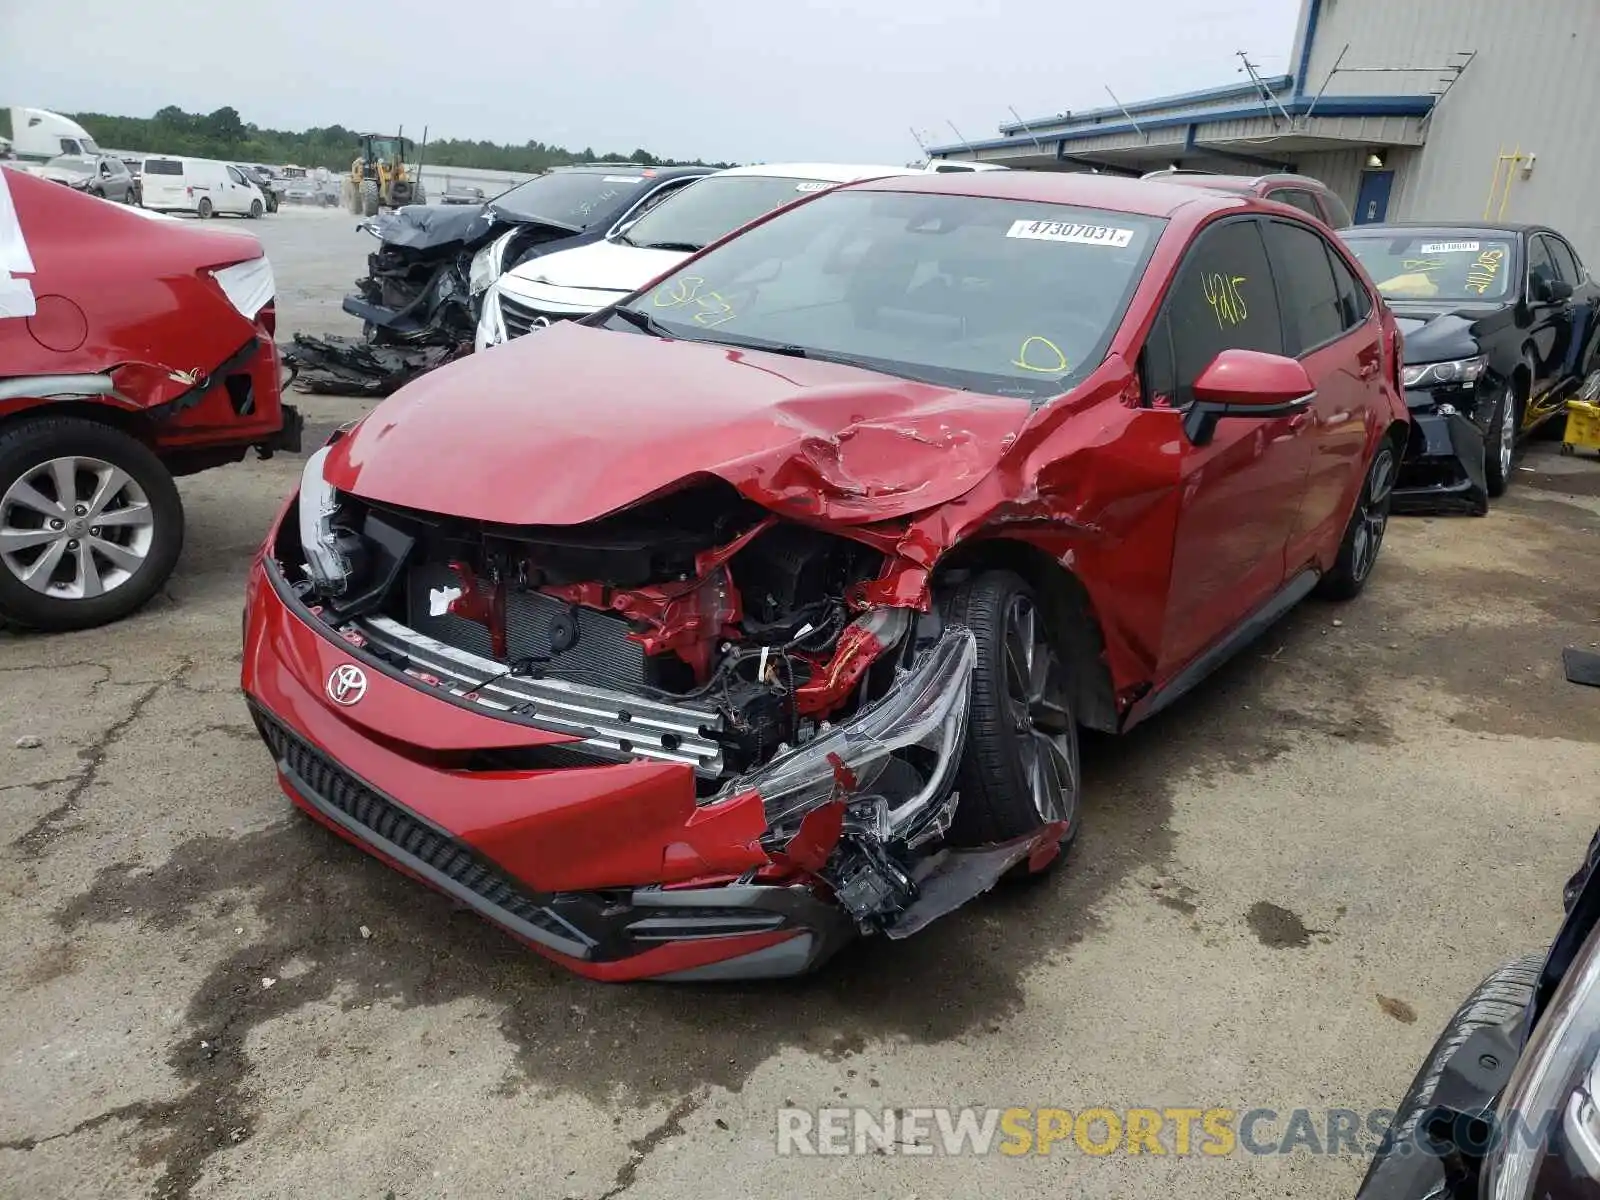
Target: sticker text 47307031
(1068, 231)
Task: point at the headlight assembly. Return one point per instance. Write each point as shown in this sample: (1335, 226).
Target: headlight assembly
(1461, 371)
(1546, 1121)
(326, 563)
(923, 717)
(486, 264)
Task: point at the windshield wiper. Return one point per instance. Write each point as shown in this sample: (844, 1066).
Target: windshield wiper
(643, 322)
(686, 247)
(625, 240)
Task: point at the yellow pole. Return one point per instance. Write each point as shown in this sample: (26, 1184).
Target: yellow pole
(1494, 182)
(1505, 197)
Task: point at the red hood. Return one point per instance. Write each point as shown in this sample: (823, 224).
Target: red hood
(573, 423)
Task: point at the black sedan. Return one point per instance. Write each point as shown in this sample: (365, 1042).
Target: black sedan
(1500, 331)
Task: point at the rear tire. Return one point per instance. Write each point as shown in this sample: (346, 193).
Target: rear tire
(1019, 770)
(127, 558)
(204, 208)
(1363, 536)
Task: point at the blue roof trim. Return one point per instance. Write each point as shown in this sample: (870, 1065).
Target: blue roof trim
(1313, 11)
(1278, 83)
(1328, 106)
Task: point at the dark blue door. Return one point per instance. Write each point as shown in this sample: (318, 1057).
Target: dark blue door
(1372, 203)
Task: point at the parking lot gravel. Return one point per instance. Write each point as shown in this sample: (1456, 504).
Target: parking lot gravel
(1284, 886)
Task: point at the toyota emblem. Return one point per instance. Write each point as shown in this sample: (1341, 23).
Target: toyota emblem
(347, 684)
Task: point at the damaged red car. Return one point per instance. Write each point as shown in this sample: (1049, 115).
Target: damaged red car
(133, 348)
(763, 609)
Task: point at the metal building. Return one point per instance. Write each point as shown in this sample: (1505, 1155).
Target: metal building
(1410, 109)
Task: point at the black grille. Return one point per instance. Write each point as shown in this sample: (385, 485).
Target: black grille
(337, 788)
(603, 654)
(519, 318)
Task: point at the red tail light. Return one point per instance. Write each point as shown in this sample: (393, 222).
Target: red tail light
(190, 190)
(268, 316)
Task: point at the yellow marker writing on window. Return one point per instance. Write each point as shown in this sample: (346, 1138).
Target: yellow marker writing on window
(1034, 353)
(1226, 300)
(678, 291)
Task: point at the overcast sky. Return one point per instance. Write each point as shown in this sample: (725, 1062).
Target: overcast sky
(745, 80)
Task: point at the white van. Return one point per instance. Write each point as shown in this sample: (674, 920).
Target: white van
(200, 186)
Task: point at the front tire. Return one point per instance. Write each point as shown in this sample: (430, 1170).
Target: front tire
(1363, 536)
(1500, 447)
(369, 197)
(256, 210)
(91, 524)
(1019, 770)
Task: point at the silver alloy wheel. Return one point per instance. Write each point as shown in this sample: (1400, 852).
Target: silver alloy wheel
(1372, 514)
(1040, 719)
(1508, 433)
(75, 528)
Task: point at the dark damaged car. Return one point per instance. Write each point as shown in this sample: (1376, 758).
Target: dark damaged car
(418, 303)
(762, 610)
(1504, 1107)
(1500, 331)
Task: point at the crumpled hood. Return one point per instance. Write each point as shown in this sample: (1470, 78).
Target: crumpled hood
(601, 266)
(1440, 332)
(575, 423)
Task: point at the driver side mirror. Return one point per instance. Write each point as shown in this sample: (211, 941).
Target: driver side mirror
(1246, 383)
(1551, 291)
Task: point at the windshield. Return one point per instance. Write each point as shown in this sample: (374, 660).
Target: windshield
(704, 211)
(579, 198)
(1449, 265)
(1004, 296)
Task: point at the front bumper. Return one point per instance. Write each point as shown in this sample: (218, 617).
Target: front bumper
(616, 870)
(1443, 466)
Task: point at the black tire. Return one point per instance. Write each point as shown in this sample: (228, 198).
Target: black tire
(1504, 996)
(369, 197)
(204, 208)
(1363, 535)
(24, 448)
(1499, 462)
(1007, 737)
(256, 210)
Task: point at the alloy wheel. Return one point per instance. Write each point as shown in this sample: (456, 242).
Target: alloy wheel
(1041, 720)
(1372, 514)
(75, 528)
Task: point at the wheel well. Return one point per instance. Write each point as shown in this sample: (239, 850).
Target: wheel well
(132, 423)
(1068, 611)
(1397, 433)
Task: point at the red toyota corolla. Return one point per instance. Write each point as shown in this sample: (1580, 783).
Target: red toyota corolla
(763, 609)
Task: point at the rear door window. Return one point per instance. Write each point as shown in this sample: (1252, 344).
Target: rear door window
(1355, 305)
(1222, 298)
(1306, 286)
(1338, 211)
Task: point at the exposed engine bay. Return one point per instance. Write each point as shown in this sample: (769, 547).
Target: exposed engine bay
(695, 628)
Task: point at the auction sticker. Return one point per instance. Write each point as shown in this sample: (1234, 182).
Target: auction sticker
(1066, 231)
(1449, 248)
(812, 185)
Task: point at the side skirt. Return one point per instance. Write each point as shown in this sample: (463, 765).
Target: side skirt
(1247, 631)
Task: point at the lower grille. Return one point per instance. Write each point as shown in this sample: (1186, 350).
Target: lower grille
(522, 318)
(389, 824)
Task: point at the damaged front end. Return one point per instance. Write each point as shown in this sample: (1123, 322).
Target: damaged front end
(1443, 468)
(696, 636)
(418, 303)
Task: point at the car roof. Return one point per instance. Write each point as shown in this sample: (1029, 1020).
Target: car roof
(1218, 182)
(1118, 194)
(831, 172)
